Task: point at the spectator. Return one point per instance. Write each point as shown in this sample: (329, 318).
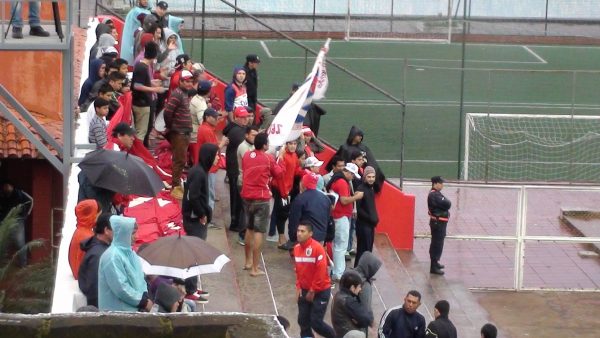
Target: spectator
(341, 213)
(313, 114)
(235, 93)
(310, 143)
(35, 29)
(89, 191)
(311, 205)
(258, 168)
(124, 137)
(338, 165)
(143, 90)
(93, 248)
(367, 267)
(367, 217)
(355, 142)
(441, 327)
(97, 130)
(123, 66)
(348, 312)
(183, 62)
(121, 284)
(198, 104)
(243, 148)
(282, 188)
(439, 214)
(101, 28)
(131, 25)
(358, 159)
(104, 41)
(86, 212)
(11, 197)
(178, 122)
(159, 15)
(176, 24)
(207, 134)
(169, 299)
(235, 132)
(313, 286)
(251, 67)
(489, 331)
(172, 50)
(313, 165)
(403, 321)
(96, 73)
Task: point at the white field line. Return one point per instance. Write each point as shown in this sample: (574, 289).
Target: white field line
(266, 49)
(535, 54)
(262, 258)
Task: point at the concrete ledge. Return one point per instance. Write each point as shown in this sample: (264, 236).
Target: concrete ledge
(121, 324)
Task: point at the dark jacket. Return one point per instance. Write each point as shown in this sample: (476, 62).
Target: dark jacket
(102, 28)
(195, 193)
(88, 270)
(89, 191)
(348, 313)
(367, 267)
(236, 135)
(17, 198)
(93, 77)
(441, 327)
(396, 323)
(166, 296)
(365, 207)
(438, 205)
(314, 206)
(251, 86)
(346, 150)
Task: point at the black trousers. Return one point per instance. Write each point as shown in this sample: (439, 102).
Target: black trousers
(195, 228)
(279, 215)
(365, 236)
(311, 314)
(438, 233)
(235, 204)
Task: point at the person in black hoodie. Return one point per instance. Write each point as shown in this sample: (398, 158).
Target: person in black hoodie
(441, 327)
(354, 143)
(195, 208)
(367, 217)
(94, 247)
(348, 312)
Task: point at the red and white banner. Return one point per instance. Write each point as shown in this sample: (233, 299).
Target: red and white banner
(287, 125)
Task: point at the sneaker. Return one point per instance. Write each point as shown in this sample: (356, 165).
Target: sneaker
(212, 225)
(38, 31)
(201, 293)
(273, 238)
(17, 33)
(241, 241)
(289, 245)
(177, 193)
(197, 299)
(352, 252)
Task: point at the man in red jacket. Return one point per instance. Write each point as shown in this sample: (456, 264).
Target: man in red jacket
(313, 286)
(258, 168)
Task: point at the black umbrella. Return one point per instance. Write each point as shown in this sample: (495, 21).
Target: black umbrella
(120, 172)
(181, 257)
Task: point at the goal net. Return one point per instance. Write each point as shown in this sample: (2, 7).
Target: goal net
(532, 148)
(411, 20)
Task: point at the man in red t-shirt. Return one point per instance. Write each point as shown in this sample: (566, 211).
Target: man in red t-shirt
(342, 212)
(313, 286)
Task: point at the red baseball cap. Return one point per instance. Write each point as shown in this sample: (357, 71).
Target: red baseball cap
(240, 112)
(309, 180)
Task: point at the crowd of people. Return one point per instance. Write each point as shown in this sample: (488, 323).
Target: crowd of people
(169, 102)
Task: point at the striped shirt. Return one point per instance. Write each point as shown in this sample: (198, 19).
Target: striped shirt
(177, 112)
(97, 133)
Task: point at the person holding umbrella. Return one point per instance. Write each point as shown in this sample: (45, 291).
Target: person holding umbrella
(121, 283)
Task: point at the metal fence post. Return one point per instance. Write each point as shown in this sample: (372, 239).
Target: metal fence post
(546, 20)
(402, 118)
(193, 30)
(314, 14)
(203, 31)
(521, 233)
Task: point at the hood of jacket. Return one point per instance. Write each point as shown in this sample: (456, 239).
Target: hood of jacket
(166, 296)
(353, 132)
(106, 40)
(86, 212)
(208, 152)
(102, 28)
(93, 76)
(122, 230)
(236, 69)
(174, 23)
(368, 265)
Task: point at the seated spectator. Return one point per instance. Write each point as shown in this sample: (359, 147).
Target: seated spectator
(121, 283)
(347, 312)
(89, 191)
(131, 25)
(94, 247)
(97, 130)
(489, 331)
(86, 212)
(96, 73)
(106, 40)
(169, 299)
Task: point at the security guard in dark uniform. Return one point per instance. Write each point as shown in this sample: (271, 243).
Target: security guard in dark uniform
(438, 206)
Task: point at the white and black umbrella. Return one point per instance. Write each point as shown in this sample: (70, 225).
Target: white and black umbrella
(181, 257)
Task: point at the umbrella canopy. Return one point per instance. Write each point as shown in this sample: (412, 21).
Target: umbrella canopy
(120, 172)
(181, 256)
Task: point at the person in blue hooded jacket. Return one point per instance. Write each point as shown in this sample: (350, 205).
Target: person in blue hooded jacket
(235, 92)
(131, 25)
(175, 24)
(96, 73)
(121, 283)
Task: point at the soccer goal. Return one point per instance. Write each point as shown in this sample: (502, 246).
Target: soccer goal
(532, 148)
(409, 20)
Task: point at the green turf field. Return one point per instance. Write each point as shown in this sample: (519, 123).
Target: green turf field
(498, 79)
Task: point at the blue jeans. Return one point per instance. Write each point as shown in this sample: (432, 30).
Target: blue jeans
(34, 14)
(212, 180)
(351, 233)
(340, 244)
(17, 240)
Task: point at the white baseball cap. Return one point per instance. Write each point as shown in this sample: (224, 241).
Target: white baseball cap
(353, 168)
(312, 162)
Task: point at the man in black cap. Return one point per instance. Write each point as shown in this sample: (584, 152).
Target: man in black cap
(251, 65)
(441, 327)
(438, 206)
(158, 16)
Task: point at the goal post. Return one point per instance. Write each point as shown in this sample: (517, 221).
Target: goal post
(395, 20)
(531, 148)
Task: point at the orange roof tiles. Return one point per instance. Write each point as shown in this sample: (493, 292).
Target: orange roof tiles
(13, 144)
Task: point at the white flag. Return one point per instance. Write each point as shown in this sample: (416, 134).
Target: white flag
(287, 125)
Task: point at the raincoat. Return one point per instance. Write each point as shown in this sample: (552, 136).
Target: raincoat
(131, 25)
(86, 212)
(121, 284)
(174, 23)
